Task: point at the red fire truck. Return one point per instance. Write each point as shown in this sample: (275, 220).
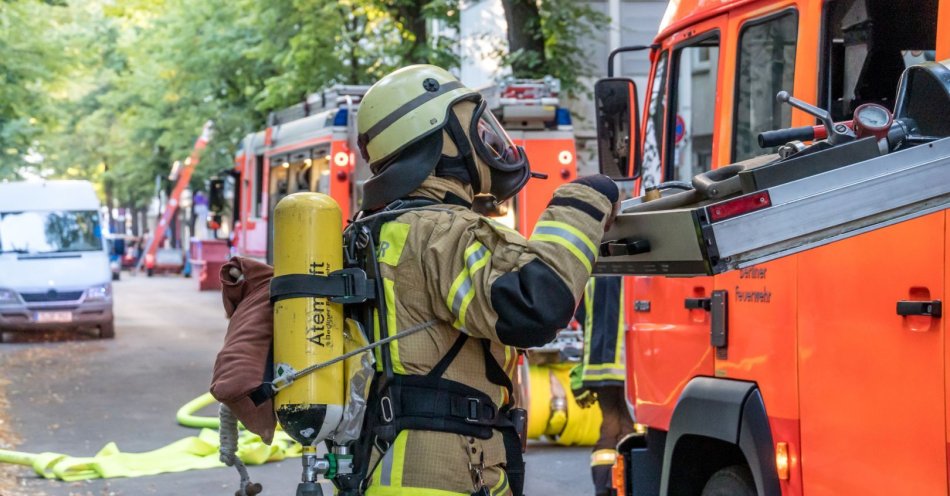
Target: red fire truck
(809, 356)
(311, 146)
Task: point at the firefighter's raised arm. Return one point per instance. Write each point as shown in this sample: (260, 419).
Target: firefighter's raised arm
(495, 284)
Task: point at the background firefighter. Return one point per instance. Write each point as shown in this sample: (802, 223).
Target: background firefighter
(433, 146)
(599, 378)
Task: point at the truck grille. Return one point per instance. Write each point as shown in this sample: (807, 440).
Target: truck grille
(51, 295)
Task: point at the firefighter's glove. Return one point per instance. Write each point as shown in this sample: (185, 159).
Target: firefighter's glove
(584, 397)
(605, 186)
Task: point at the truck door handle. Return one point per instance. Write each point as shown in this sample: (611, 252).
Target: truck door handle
(698, 303)
(925, 308)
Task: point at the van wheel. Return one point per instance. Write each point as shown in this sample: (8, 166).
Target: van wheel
(107, 331)
(731, 481)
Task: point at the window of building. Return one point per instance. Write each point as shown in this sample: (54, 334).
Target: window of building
(766, 65)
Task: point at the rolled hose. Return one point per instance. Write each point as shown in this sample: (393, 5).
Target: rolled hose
(552, 411)
(186, 414)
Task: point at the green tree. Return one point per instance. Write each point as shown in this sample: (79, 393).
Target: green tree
(116, 90)
(27, 67)
(548, 39)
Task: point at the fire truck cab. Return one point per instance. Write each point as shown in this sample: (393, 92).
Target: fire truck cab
(306, 147)
(792, 376)
(311, 146)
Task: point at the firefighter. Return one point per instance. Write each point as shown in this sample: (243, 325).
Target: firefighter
(442, 418)
(599, 378)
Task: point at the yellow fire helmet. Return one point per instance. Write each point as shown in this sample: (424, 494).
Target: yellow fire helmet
(401, 120)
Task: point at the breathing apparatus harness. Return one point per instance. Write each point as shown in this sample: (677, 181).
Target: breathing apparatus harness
(397, 402)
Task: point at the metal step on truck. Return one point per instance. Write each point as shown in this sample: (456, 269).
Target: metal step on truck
(824, 333)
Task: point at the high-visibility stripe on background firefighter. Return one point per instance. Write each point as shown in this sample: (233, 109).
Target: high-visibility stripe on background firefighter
(603, 457)
(602, 315)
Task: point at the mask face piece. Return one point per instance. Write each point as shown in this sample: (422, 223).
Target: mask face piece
(504, 163)
(493, 144)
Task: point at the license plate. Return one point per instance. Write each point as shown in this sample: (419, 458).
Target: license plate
(44, 317)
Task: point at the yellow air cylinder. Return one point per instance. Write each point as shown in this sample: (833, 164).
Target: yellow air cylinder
(308, 239)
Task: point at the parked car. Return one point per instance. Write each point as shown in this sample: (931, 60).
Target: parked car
(54, 263)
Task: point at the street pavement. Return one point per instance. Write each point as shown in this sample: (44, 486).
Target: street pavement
(73, 394)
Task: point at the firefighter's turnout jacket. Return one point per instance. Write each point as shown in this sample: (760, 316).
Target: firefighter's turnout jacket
(480, 278)
(602, 316)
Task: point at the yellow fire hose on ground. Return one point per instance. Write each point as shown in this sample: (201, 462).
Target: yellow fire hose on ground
(191, 453)
(552, 414)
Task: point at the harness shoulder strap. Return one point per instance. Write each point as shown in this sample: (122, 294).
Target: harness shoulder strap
(449, 357)
(495, 373)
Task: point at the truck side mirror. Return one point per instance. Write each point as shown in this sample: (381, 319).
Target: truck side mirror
(618, 128)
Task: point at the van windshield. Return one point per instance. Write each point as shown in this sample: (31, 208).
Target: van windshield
(39, 232)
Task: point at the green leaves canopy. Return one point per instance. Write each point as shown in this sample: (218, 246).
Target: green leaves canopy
(116, 90)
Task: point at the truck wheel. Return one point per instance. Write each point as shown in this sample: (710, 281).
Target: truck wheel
(107, 331)
(731, 481)
(150, 272)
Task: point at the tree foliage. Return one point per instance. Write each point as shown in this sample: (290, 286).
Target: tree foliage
(116, 90)
(549, 39)
(28, 66)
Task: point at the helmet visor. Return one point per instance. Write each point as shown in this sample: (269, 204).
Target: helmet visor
(493, 144)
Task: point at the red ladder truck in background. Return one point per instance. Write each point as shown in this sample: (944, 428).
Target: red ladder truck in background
(181, 173)
(311, 146)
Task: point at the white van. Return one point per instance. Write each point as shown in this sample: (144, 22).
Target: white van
(54, 267)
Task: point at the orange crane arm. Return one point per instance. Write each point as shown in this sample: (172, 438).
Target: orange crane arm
(183, 179)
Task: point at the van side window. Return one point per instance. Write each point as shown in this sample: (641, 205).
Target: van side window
(690, 128)
(766, 65)
(653, 132)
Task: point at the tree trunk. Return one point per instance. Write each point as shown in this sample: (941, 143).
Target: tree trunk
(408, 13)
(417, 25)
(107, 186)
(134, 211)
(525, 38)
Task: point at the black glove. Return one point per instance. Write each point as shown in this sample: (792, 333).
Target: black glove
(607, 187)
(585, 398)
(602, 184)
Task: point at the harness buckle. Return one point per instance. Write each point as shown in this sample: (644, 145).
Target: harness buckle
(474, 405)
(386, 407)
(354, 282)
